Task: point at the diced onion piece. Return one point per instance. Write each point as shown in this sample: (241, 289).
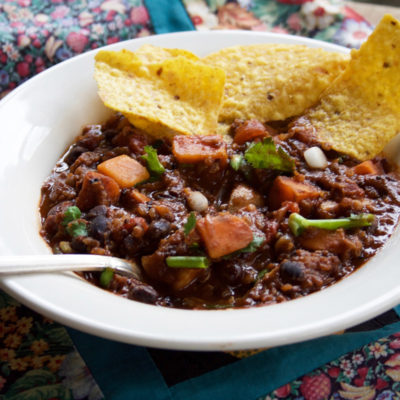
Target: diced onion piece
(315, 158)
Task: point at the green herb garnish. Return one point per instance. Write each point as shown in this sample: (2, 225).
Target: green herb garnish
(187, 262)
(70, 214)
(190, 223)
(298, 224)
(154, 166)
(261, 274)
(236, 161)
(106, 277)
(257, 241)
(76, 228)
(265, 155)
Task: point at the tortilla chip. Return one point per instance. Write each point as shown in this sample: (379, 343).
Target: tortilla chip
(223, 129)
(163, 94)
(271, 82)
(149, 54)
(360, 112)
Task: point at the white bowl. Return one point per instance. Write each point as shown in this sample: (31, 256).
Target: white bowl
(41, 118)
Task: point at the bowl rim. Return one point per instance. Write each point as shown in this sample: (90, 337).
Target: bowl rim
(318, 314)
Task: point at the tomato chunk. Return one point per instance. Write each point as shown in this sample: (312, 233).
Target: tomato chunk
(194, 149)
(223, 234)
(249, 130)
(126, 171)
(287, 189)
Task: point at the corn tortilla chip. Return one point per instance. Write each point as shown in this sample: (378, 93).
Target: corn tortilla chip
(271, 82)
(360, 112)
(164, 94)
(149, 54)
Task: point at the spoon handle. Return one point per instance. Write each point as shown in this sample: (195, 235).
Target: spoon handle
(65, 262)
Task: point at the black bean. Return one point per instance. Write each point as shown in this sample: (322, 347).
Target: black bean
(143, 293)
(291, 271)
(230, 271)
(98, 210)
(98, 226)
(74, 153)
(110, 133)
(158, 229)
(131, 245)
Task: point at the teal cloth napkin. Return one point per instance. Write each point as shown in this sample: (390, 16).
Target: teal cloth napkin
(129, 372)
(168, 16)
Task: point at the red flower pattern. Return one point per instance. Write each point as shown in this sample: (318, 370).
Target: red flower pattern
(139, 15)
(23, 69)
(77, 41)
(24, 3)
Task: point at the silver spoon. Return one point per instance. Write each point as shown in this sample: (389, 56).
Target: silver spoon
(16, 265)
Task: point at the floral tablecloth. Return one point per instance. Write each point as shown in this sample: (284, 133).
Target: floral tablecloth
(40, 359)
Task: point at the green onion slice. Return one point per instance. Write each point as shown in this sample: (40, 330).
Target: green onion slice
(298, 224)
(187, 262)
(106, 277)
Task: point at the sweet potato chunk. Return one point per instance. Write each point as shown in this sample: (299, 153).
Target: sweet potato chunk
(185, 277)
(249, 130)
(138, 197)
(126, 171)
(177, 278)
(336, 242)
(287, 189)
(97, 189)
(366, 168)
(194, 149)
(223, 234)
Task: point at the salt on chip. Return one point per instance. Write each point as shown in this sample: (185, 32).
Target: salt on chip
(270, 82)
(163, 94)
(360, 112)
